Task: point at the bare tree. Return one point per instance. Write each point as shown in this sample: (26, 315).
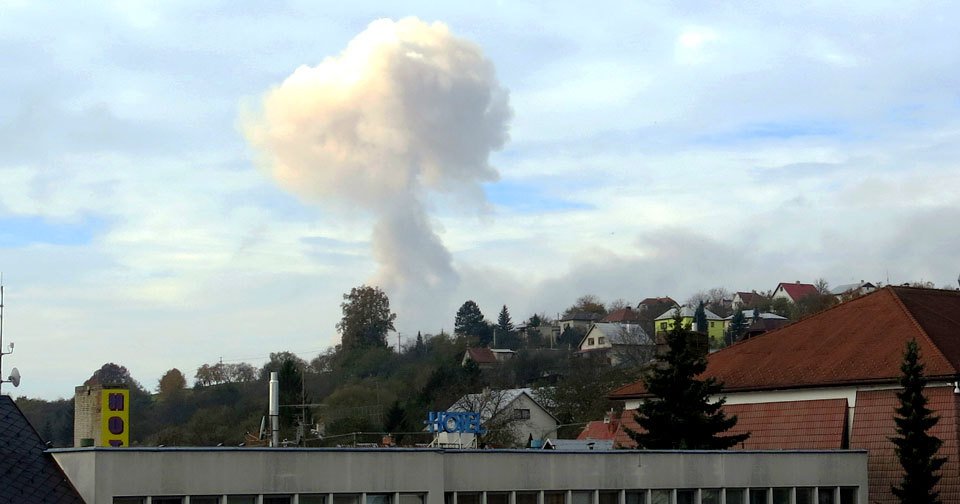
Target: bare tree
(498, 419)
(617, 304)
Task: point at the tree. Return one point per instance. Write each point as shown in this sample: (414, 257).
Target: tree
(171, 382)
(914, 446)
(112, 374)
(617, 304)
(587, 303)
(700, 318)
(680, 414)
(737, 328)
(504, 324)
(534, 321)
(418, 347)
(366, 318)
(469, 320)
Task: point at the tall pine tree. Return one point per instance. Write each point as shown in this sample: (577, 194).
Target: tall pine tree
(915, 448)
(680, 415)
(700, 318)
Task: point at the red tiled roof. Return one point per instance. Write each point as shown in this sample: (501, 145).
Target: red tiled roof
(482, 355)
(857, 342)
(790, 425)
(749, 298)
(622, 315)
(873, 425)
(600, 430)
(798, 290)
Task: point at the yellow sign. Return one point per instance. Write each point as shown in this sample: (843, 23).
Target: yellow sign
(115, 418)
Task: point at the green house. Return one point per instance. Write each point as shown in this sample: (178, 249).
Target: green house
(715, 323)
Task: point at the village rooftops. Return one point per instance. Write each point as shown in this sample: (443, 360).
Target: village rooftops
(829, 348)
(687, 312)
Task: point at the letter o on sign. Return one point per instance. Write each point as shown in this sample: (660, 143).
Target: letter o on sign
(115, 425)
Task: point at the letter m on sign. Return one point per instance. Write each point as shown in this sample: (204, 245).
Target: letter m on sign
(115, 402)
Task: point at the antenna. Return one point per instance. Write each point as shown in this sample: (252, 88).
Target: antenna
(14, 374)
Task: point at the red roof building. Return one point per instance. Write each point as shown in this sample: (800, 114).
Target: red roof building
(624, 315)
(830, 381)
(794, 291)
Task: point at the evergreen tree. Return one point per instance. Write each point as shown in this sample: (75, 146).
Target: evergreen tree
(469, 320)
(700, 318)
(737, 328)
(419, 348)
(504, 324)
(680, 415)
(915, 448)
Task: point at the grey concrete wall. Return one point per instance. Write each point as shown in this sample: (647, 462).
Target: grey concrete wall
(101, 474)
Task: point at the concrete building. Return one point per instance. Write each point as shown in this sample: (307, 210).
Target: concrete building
(412, 476)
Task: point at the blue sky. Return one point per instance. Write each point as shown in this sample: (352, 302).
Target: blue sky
(653, 150)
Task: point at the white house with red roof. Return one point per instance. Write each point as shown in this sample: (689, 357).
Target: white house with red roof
(793, 292)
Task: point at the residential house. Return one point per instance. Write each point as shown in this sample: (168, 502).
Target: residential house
(578, 320)
(486, 358)
(517, 413)
(618, 343)
(793, 292)
(601, 430)
(656, 304)
(757, 326)
(624, 315)
(742, 299)
(714, 329)
(852, 290)
(830, 381)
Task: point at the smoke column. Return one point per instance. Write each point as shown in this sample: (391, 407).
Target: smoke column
(407, 108)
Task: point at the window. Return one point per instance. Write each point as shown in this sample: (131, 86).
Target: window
(167, 500)
(804, 496)
(686, 496)
(663, 326)
(711, 324)
(468, 498)
(759, 495)
(241, 499)
(736, 496)
(660, 496)
(373, 498)
(554, 497)
(589, 341)
(526, 497)
(346, 498)
(581, 497)
(129, 500)
(825, 495)
(312, 499)
(848, 495)
(204, 499)
(521, 414)
(710, 496)
(277, 499)
(601, 340)
(636, 497)
(607, 497)
(498, 498)
(781, 496)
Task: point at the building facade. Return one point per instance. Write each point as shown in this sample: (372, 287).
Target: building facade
(412, 476)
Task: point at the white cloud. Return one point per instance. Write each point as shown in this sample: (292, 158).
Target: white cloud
(655, 150)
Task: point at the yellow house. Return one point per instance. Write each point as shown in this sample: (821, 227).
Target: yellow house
(715, 323)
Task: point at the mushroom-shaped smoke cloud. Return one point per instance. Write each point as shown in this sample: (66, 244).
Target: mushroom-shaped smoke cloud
(406, 108)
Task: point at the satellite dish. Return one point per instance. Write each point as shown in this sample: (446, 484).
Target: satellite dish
(15, 377)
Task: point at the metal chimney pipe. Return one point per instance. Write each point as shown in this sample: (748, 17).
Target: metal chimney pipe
(274, 410)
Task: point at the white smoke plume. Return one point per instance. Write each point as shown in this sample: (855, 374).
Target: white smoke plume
(407, 108)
